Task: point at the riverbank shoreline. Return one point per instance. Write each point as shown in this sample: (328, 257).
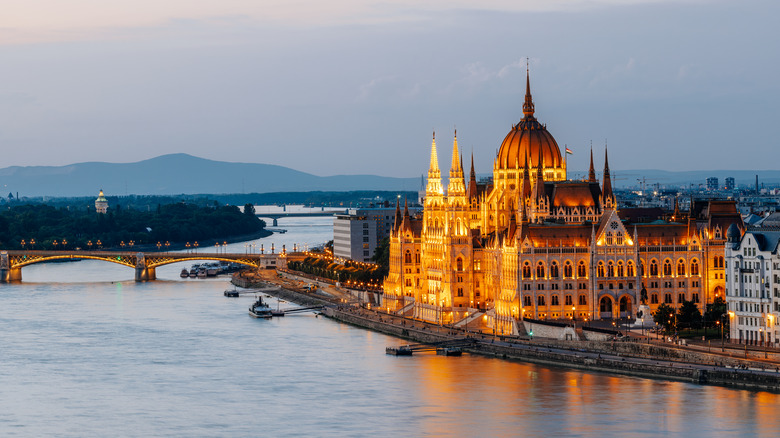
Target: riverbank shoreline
(610, 357)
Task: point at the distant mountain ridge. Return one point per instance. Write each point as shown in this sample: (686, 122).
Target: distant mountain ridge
(175, 174)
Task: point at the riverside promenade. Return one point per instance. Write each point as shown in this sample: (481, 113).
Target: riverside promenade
(634, 358)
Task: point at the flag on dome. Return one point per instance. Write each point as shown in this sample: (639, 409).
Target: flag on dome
(568, 151)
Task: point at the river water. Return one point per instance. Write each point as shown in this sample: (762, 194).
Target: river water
(86, 351)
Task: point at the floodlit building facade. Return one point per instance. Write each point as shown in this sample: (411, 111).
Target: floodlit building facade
(753, 285)
(532, 244)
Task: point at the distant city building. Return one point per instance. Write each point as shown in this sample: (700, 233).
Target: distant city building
(730, 183)
(712, 183)
(357, 233)
(753, 285)
(101, 203)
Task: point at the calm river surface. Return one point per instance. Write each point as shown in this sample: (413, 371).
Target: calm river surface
(86, 351)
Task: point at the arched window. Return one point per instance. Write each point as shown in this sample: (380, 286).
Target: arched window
(619, 238)
(554, 270)
(600, 269)
(667, 267)
(653, 268)
(620, 271)
(408, 257)
(554, 300)
(681, 267)
(583, 301)
(526, 270)
(630, 269)
(668, 298)
(582, 270)
(460, 264)
(417, 257)
(609, 237)
(527, 301)
(610, 269)
(694, 267)
(567, 271)
(540, 270)
(540, 300)
(720, 261)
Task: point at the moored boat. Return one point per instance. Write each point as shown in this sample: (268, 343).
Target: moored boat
(184, 273)
(259, 309)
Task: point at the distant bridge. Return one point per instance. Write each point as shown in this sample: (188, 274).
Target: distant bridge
(145, 264)
(275, 216)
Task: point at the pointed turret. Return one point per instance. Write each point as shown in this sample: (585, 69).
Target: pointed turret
(406, 223)
(528, 105)
(606, 191)
(512, 221)
(539, 185)
(457, 185)
(398, 218)
(434, 188)
(676, 213)
(592, 170)
(526, 192)
(472, 180)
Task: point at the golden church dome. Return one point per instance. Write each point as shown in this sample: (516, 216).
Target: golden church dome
(527, 139)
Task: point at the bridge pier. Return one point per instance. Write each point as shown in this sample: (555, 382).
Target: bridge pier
(8, 275)
(276, 222)
(145, 274)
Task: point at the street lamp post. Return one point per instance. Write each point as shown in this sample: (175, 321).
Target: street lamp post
(159, 245)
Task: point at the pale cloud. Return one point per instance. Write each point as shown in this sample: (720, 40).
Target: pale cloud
(26, 21)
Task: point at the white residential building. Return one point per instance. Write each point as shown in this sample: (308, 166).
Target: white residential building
(753, 285)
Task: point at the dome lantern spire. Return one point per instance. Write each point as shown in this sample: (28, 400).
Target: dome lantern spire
(528, 105)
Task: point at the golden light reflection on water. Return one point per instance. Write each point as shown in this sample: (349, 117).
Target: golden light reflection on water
(476, 396)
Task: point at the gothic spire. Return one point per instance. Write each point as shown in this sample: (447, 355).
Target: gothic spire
(457, 185)
(434, 174)
(526, 193)
(539, 186)
(472, 179)
(398, 219)
(592, 170)
(528, 105)
(607, 189)
(406, 224)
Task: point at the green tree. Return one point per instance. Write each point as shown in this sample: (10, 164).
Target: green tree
(249, 209)
(664, 316)
(688, 315)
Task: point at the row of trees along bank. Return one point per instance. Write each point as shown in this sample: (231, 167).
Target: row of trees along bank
(40, 226)
(688, 320)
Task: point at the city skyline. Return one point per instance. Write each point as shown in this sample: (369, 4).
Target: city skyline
(306, 87)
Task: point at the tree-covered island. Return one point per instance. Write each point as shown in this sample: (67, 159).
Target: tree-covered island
(48, 227)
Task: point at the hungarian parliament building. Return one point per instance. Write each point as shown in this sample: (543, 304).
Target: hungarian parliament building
(532, 244)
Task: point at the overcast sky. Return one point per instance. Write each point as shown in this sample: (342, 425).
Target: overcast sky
(357, 86)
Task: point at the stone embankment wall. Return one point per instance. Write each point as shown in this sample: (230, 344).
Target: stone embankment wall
(414, 332)
(575, 354)
(541, 352)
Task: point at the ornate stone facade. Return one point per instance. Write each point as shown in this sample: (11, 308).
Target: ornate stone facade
(531, 244)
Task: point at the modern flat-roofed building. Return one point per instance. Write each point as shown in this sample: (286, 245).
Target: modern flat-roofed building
(712, 183)
(354, 237)
(362, 229)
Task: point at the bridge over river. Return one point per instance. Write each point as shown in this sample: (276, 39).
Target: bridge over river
(145, 264)
(275, 213)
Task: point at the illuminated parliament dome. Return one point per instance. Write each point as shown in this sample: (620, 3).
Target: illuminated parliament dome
(530, 140)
